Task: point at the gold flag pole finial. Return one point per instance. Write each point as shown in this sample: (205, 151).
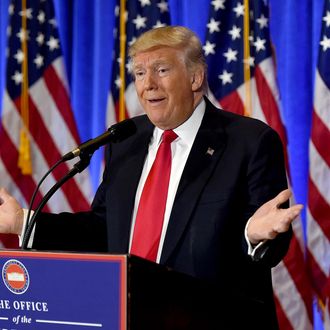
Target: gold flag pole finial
(24, 157)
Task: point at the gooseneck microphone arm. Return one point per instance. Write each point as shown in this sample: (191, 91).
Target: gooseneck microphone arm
(116, 133)
(36, 191)
(77, 168)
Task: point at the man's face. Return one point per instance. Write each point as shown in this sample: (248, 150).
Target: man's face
(165, 87)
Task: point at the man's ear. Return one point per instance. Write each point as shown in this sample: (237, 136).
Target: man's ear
(197, 79)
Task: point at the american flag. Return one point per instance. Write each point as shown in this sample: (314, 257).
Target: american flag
(242, 79)
(318, 212)
(132, 19)
(37, 123)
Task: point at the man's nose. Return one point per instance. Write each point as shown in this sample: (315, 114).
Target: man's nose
(150, 81)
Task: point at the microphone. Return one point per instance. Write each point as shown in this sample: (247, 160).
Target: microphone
(116, 133)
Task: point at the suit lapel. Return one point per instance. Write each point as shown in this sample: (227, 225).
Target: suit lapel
(205, 154)
(122, 196)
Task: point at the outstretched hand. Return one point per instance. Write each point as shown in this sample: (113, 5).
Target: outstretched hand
(270, 220)
(11, 214)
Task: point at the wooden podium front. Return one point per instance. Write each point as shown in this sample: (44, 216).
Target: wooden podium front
(43, 290)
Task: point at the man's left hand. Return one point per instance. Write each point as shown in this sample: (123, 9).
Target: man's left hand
(270, 220)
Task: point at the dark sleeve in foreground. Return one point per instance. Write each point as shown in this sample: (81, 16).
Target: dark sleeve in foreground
(70, 232)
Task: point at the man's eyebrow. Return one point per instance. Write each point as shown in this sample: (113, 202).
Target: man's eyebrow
(161, 62)
(154, 64)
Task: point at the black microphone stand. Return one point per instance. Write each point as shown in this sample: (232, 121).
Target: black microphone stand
(77, 168)
(36, 191)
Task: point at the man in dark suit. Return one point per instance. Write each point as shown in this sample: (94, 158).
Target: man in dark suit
(217, 224)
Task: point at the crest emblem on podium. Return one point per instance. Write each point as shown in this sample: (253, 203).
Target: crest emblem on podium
(15, 276)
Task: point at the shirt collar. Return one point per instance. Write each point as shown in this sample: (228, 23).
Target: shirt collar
(187, 131)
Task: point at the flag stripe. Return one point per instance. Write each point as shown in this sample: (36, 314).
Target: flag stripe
(318, 244)
(60, 72)
(52, 119)
(292, 313)
(61, 99)
(291, 285)
(25, 183)
(257, 111)
(11, 124)
(319, 209)
(45, 142)
(283, 321)
(318, 276)
(55, 123)
(232, 102)
(322, 100)
(320, 134)
(294, 263)
(269, 105)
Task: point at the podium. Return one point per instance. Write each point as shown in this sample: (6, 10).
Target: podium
(65, 291)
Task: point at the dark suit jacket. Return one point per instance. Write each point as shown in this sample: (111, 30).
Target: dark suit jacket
(217, 194)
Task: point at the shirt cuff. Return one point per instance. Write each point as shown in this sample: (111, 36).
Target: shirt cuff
(21, 236)
(255, 251)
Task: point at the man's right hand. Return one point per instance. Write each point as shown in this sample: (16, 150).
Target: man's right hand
(11, 214)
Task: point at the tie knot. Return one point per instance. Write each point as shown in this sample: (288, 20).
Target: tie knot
(169, 136)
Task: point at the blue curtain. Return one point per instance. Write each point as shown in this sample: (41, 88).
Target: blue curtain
(86, 37)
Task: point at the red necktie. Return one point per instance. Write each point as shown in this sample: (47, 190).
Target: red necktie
(151, 210)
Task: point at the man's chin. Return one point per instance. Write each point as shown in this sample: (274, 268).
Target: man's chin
(160, 123)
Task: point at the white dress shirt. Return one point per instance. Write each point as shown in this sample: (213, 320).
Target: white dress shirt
(180, 148)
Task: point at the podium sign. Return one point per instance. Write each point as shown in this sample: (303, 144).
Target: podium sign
(62, 291)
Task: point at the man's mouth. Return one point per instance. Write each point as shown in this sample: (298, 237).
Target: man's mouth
(156, 100)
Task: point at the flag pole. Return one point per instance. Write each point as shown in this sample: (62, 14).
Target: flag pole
(122, 40)
(24, 158)
(246, 64)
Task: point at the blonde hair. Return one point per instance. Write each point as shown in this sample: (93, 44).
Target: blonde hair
(178, 37)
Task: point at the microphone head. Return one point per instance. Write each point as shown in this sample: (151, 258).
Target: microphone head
(116, 133)
(122, 130)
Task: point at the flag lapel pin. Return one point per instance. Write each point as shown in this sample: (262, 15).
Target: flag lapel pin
(210, 151)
